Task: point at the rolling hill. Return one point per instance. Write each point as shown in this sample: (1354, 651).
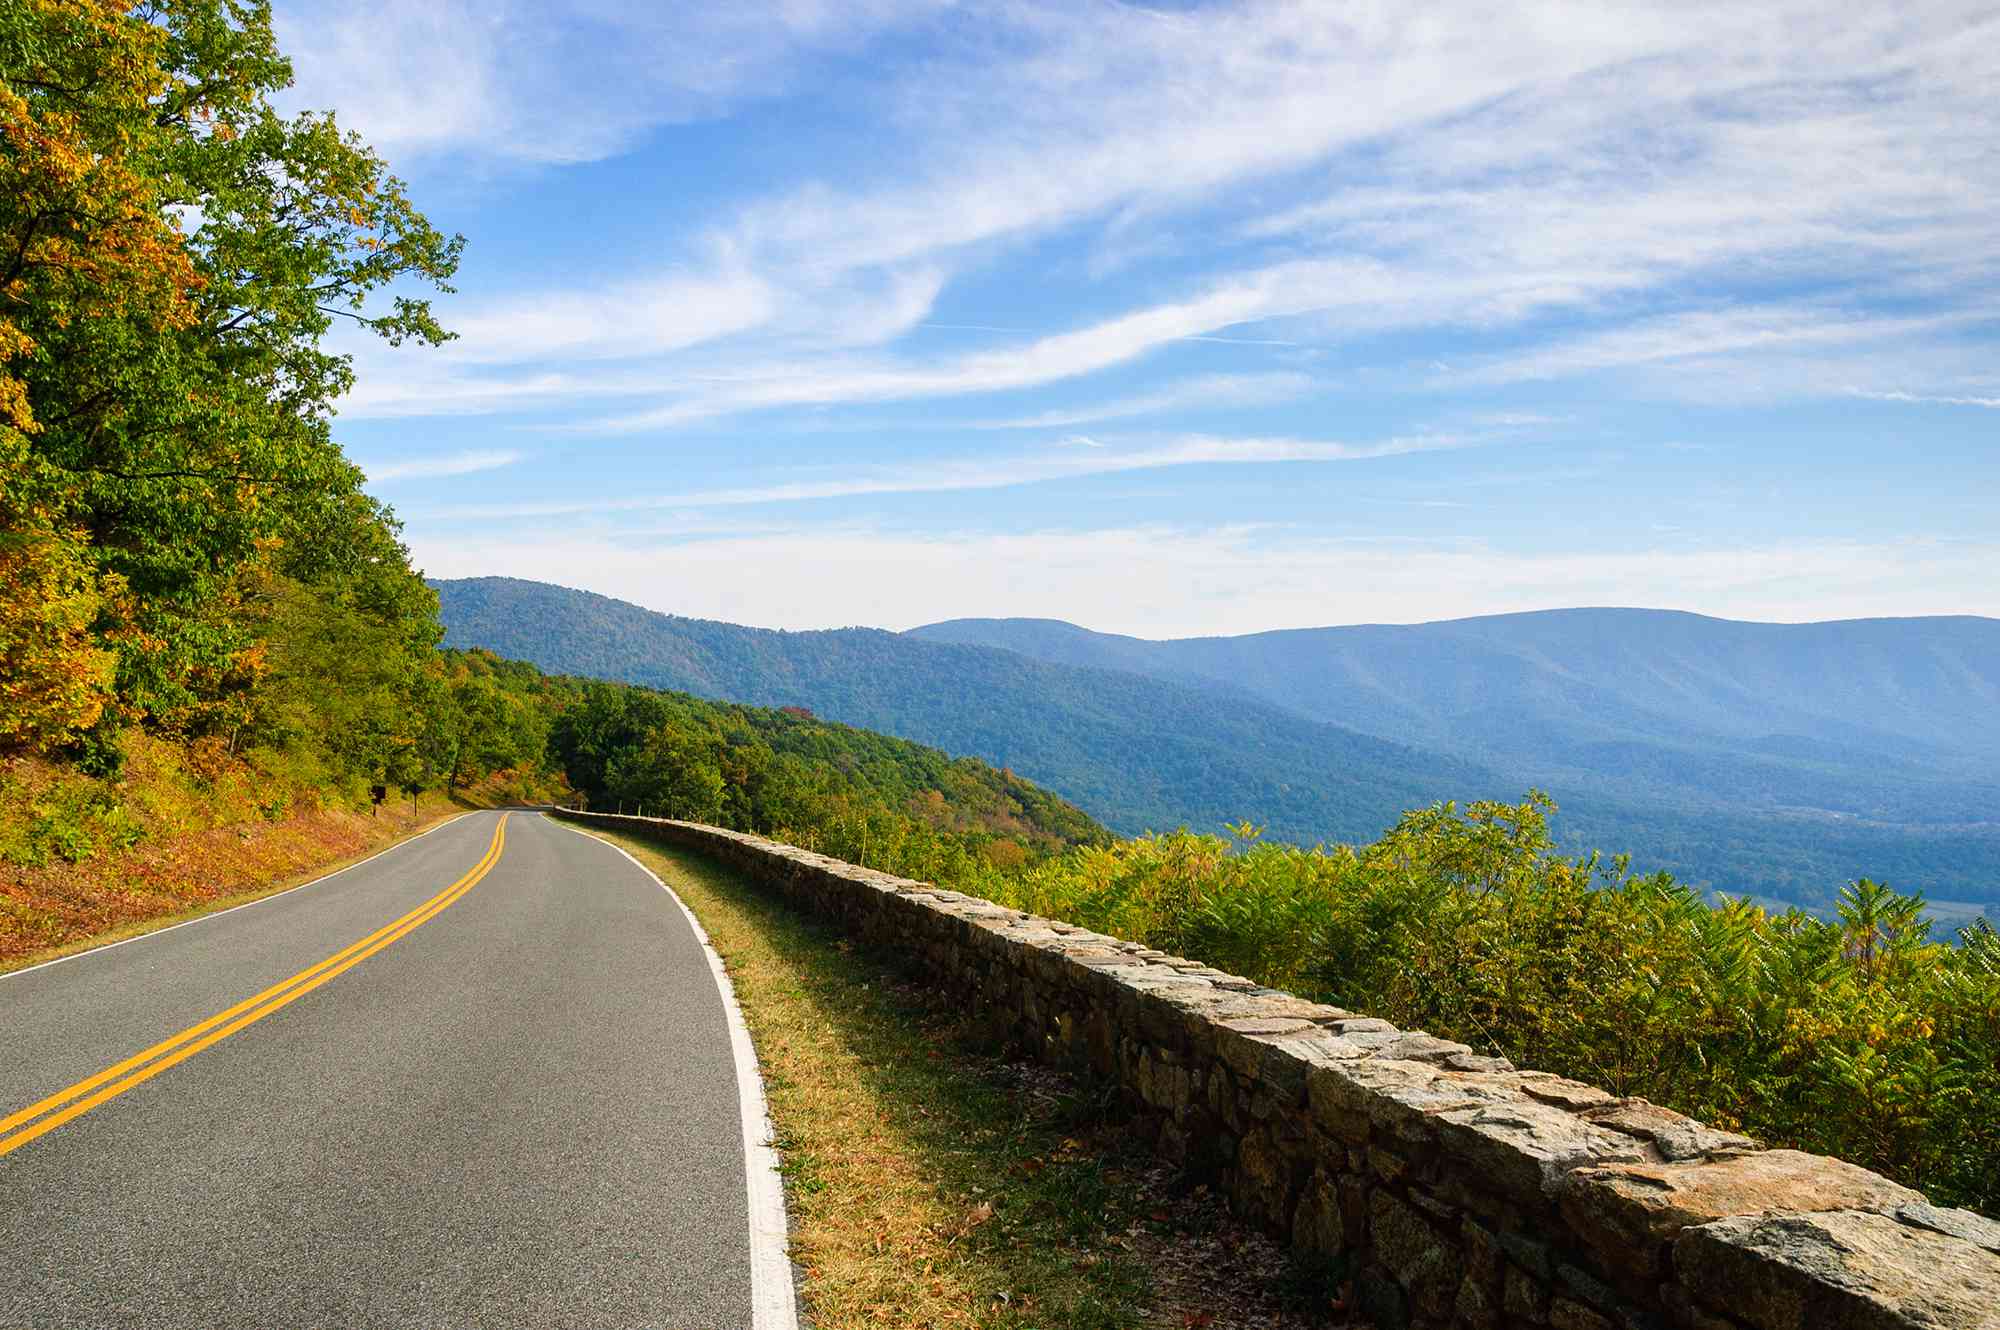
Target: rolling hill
(1143, 744)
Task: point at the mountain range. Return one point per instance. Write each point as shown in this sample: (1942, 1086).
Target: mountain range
(1881, 719)
(1777, 760)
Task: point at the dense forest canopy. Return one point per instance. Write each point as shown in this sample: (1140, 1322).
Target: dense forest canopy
(193, 553)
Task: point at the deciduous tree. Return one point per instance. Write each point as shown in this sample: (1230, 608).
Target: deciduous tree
(173, 254)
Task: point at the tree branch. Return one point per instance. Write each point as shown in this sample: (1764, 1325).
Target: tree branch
(20, 264)
(361, 319)
(177, 475)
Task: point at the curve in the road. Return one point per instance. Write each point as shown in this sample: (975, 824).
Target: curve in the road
(171, 1052)
(776, 1304)
(542, 1111)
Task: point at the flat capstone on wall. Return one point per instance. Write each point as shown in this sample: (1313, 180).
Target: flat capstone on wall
(1458, 1189)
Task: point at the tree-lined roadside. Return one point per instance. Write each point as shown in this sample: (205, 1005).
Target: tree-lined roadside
(194, 554)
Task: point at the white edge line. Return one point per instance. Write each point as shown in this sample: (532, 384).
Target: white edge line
(217, 914)
(773, 1305)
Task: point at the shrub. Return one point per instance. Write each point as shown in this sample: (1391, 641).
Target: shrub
(1860, 1036)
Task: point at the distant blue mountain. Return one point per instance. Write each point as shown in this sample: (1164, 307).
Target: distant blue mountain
(1648, 728)
(1882, 719)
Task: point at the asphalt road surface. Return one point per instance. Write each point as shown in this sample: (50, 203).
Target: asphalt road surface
(484, 1079)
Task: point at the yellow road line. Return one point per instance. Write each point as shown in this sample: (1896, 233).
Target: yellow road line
(177, 1049)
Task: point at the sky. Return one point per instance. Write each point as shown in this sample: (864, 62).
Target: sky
(1190, 319)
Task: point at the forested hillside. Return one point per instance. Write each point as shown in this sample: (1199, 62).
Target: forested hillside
(784, 773)
(1140, 754)
(1144, 753)
(81, 852)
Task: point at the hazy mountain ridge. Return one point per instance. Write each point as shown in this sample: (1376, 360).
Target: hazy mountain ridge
(1890, 720)
(1145, 748)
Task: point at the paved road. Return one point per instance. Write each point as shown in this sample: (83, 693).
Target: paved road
(522, 1112)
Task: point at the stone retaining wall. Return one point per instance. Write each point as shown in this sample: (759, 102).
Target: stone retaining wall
(1460, 1190)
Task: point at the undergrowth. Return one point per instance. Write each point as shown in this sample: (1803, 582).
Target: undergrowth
(1863, 1037)
(180, 827)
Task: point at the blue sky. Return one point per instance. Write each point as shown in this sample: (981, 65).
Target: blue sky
(1193, 318)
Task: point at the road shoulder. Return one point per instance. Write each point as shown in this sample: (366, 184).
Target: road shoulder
(774, 1301)
(933, 1183)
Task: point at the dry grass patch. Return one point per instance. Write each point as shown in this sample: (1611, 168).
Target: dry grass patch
(931, 1183)
(54, 910)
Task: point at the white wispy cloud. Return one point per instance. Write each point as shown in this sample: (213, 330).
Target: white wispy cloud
(1355, 170)
(1115, 107)
(1081, 458)
(430, 387)
(1200, 393)
(1704, 335)
(630, 321)
(525, 81)
(451, 464)
(1407, 198)
(505, 347)
(1579, 149)
(1922, 399)
(1280, 291)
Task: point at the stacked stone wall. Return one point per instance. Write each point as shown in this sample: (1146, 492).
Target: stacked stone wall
(1457, 1189)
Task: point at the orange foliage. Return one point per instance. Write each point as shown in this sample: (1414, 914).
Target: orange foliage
(84, 231)
(63, 903)
(82, 237)
(54, 679)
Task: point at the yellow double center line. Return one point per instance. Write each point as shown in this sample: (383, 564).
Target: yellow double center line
(52, 1112)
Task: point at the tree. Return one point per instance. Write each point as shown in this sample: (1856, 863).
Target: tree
(472, 731)
(675, 775)
(349, 671)
(84, 245)
(172, 253)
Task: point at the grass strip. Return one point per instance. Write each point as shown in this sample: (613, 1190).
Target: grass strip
(932, 1182)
